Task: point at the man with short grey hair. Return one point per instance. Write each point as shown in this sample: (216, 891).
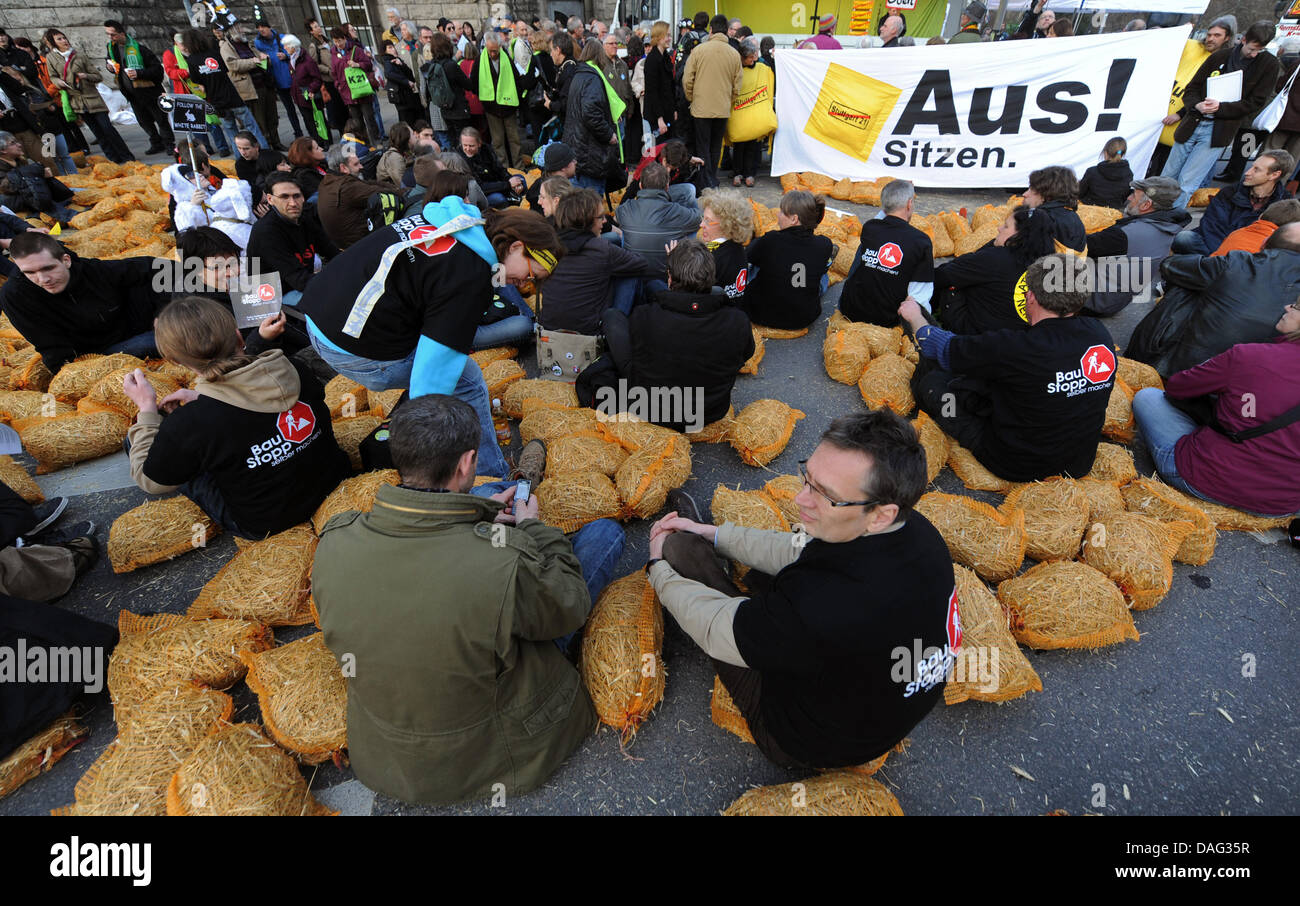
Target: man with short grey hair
(343, 199)
(894, 261)
(1129, 253)
(891, 30)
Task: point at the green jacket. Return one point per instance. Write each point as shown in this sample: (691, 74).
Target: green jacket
(443, 623)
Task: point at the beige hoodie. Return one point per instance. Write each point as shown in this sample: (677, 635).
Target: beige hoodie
(268, 384)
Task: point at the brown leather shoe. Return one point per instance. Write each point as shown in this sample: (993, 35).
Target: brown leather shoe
(531, 463)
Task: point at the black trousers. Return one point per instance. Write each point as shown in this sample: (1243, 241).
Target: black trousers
(152, 118)
(694, 558)
(709, 133)
(746, 157)
(16, 516)
(958, 404)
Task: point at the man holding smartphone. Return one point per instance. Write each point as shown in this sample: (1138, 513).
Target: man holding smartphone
(458, 607)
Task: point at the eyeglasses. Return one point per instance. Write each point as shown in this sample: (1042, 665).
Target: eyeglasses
(803, 473)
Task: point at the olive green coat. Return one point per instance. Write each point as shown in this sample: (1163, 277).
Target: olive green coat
(443, 622)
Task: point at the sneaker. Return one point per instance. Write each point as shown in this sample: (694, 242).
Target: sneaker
(85, 553)
(531, 463)
(47, 513)
(685, 506)
(55, 537)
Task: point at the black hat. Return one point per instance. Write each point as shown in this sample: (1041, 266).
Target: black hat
(557, 156)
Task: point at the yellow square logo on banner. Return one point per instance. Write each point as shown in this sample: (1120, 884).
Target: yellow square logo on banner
(850, 111)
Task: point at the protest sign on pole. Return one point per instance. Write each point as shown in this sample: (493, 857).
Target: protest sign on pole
(973, 115)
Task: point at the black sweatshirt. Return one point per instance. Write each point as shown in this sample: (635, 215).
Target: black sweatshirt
(827, 637)
(785, 272)
(892, 254)
(273, 469)
(104, 303)
(254, 172)
(290, 248)
(1107, 184)
(984, 282)
(729, 260)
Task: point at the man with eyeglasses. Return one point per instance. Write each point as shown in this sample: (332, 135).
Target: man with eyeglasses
(812, 658)
(286, 241)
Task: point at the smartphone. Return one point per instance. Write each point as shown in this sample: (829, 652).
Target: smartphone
(522, 490)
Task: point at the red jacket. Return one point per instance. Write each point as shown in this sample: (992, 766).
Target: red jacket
(1263, 380)
(175, 73)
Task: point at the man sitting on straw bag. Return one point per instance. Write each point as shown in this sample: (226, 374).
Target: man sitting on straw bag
(1028, 404)
(894, 261)
(457, 605)
(68, 306)
(812, 660)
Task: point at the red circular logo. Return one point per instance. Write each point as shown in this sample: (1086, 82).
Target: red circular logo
(742, 279)
(1098, 364)
(435, 247)
(890, 255)
(266, 292)
(297, 424)
(211, 64)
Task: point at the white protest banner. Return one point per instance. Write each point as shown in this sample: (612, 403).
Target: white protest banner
(973, 115)
(1068, 7)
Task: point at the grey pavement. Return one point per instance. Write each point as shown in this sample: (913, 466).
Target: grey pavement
(1167, 725)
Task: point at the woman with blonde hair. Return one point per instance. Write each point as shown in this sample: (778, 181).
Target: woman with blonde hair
(726, 226)
(251, 444)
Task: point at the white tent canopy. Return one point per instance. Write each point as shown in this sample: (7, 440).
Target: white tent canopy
(1186, 7)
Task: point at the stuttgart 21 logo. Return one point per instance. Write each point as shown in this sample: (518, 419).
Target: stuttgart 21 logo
(297, 424)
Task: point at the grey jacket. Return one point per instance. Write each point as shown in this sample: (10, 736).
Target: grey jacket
(652, 220)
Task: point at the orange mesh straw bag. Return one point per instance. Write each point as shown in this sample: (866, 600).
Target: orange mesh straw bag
(344, 393)
(622, 653)
(178, 373)
(935, 443)
(1104, 498)
(40, 753)
(586, 452)
(1066, 604)
(56, 443)
(714, 432)
(725, 714)
(573, 499)
(24, 404)
(846, 352)
(350, 432)
(760, 349)
(990, 542)
(303, 696)
(267, 581)
(887, 384)
(1228, 519)
(19, 481)
(108, 392)
(750, 509)
(972, 472)
(131, 776)
(782, 490)
(986, 645)
(485, 357)
(499, 375)
(1159, 501)
(158, 530)
(1138, 375)
(34, 376)
(238, 771)
(549, 424)
(383, 402)
(1121, 424)
(166, 651)
(1056, 513)
(549, 394)
(833, 793)
(1113, 463)
(1136, 552)
(356, 493)
(762, 430)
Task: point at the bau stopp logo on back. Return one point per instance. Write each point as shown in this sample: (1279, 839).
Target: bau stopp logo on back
(434, 247)
(297, 424)
(1098, 364)
(954, 622)
(890, 255)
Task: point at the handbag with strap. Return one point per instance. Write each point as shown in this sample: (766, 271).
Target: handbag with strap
(358, 80)
(562, 355)
(1267, 119)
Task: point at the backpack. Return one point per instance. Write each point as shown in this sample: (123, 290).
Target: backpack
(435, 76)
(688, 43)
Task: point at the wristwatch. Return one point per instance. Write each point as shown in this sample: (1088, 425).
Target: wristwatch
(651, 562)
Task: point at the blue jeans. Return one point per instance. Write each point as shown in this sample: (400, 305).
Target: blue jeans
(379, 117)
(625, 293)
(682, 193)
(291, 110)
(588, 182)
(375, 375)
(217, 139)
(292, 297)
(1189, 161)
(1189, 242)
(1162, 426)
(237, 118)
(513, 331)
(497, 199)
(444, 140)
(67, 166)
(597, 545)
(142, 346)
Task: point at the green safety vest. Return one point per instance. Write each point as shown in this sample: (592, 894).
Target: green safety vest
(504, 92)
(616, 104)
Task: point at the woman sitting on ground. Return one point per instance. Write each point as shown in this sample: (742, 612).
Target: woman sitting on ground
(251, 444)
(976, 292)
(594, 274)
(1258, 473)
(788, 266)
(726, 226)
(552, 189)
(1053, 193)
(394, 161)
(307, 158)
